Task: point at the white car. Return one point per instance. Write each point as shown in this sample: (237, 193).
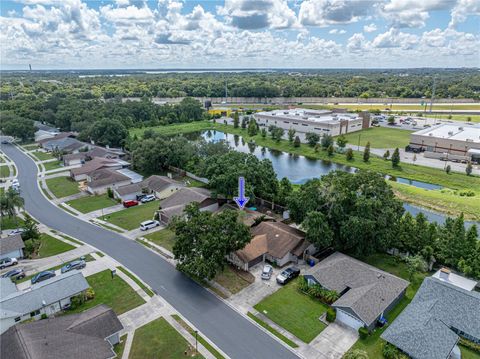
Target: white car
(7, 262)
(267, 272)
(148, 198)
(145, 226)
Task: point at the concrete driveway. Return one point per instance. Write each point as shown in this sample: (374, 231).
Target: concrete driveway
(332, 343)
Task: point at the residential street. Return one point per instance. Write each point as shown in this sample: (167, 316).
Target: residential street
(234, 334)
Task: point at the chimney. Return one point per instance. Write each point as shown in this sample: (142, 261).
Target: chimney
(444, 274)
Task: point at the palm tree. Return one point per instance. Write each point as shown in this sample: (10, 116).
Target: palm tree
(10, 201)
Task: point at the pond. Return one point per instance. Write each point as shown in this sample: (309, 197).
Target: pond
(299, 169)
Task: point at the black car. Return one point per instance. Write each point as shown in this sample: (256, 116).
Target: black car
(40, 277)
(78, 264)
(14, 274)
(287, 275)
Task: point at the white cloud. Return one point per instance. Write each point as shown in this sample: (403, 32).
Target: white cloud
(412, 13)
(395, 38)
(462, 9)
(356, 43)
(337, 31)
(330, 12)
(259, 14)
(370, 28)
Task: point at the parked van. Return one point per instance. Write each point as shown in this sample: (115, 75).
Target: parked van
(145, 226)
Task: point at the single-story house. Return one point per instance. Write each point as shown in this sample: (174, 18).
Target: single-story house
(49, 297)
(65, 145)
(81, 173)
(161, 186)
(100, 180)
(247, 216)
(275, 242)
(367, 293)
(431, 325)
(174, 205)
(87, 335)
(82, 157)
(12, 246)
(55, 136)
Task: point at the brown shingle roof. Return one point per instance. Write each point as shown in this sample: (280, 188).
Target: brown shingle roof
(281, 237)
(93, 165)
(153, 183)
(258, 246)
(185, 196)
(105, 176)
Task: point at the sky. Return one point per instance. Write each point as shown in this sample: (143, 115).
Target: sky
(161, 34)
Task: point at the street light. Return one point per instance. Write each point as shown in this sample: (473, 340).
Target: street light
(196, 341)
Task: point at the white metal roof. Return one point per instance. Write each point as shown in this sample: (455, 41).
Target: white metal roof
(460, 132)
(134, 176)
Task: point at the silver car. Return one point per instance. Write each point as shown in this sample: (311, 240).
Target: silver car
(267, 272)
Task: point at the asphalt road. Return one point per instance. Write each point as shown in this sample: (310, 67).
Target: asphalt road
(234, 334)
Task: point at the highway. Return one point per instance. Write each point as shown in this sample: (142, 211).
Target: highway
(229, 330)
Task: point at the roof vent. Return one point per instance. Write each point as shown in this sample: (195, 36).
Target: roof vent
(277, 235)
(444, 274)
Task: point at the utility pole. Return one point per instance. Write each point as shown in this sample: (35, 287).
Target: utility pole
(433, 92)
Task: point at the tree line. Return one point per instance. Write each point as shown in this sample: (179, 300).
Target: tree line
(364, 83)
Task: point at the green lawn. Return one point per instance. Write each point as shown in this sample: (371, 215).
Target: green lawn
(294, 311)
(233, 280)
(380, 137)
(272, 330)
(469, 353)
(62, 186)
(158, 339)
(138, 281)
(373, 343)
(114, 292)
(164, 238)
(50, 246)
(42, 156)
(201, 340)
(10, 223)
(91, 203)
(4, 171)
(120, 347)
(130, 218)
(30, 146)
(52, 165)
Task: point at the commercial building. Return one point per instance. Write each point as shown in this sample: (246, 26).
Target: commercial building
(321, 122)
(448, 140)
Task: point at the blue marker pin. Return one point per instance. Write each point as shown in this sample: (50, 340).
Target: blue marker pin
(241, 200)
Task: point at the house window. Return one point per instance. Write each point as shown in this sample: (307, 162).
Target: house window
(17, 319)
(286, 122)
(36, 312)
(304, 124)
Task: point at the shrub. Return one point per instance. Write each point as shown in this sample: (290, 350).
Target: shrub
(363, 332)
(77, 301)
(356, 354)
(389, 351)
(44, 316)
(331, 315)
(303, 284)
(89, 294)
(349, 154)
(109, 192)
(467, 193)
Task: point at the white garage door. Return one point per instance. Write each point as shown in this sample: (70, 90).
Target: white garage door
(349, 320)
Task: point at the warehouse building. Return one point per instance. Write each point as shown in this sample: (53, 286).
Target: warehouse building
(449, 141)
(321, 122)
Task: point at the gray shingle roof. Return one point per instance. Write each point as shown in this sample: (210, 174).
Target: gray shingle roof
(369, 290)
(423, 329)
(104, 177)
(79, 336)
(11, 243)
(153, 183)
(50, 291)
(65, 143)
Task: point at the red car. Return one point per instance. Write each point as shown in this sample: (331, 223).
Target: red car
(130, 203)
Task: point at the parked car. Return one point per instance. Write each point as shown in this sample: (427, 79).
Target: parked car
(287, 275)
(16, 231)
(78, 264)
(40, 277)
(131, 203)
(8, 262)
(267, 272)
(15, 183)
(146, 225)
(14, 274)
(140, 196)
(148, 198)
